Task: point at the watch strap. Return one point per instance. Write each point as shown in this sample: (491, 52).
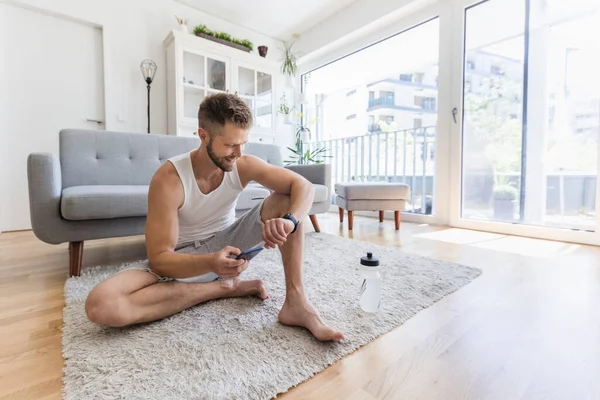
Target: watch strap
(293, 219)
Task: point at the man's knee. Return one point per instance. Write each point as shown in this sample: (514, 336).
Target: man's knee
(276, 205)
(104, 308)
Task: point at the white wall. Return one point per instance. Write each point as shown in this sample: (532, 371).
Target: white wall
(135, 30)
(3, 100)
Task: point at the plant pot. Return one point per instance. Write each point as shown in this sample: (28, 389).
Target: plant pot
(184, 28)
(262, 51)
(287, 119)
(504, 210)
(222, 41)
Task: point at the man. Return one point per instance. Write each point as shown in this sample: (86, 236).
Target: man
(192, 235)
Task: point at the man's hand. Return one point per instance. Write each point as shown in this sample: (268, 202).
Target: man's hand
(225, 265)
(275, 232)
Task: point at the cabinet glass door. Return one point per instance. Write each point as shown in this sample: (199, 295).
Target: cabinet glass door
(216, 74)
(193, 69)
(264, 100)
(194, 83)
(246, 82)
(256, 89)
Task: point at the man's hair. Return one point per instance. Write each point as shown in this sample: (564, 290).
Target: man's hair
(218, 109)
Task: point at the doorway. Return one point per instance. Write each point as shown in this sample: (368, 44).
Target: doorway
(54, 79)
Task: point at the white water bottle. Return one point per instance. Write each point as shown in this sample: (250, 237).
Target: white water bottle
(370, 290)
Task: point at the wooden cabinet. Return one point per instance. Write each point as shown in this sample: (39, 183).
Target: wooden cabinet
(197, 67)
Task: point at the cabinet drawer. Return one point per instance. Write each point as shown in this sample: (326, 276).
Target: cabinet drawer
(261, 138)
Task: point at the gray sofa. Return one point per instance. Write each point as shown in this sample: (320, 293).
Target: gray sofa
(98, 185)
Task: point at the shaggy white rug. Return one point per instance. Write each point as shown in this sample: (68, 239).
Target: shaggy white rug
(235, 348)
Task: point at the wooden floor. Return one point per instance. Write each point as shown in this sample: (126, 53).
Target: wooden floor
(527, 328)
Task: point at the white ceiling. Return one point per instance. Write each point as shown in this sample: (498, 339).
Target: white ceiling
(276, 18)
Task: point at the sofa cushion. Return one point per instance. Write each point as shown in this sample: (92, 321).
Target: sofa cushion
(372, 191)
(252, 194)
(104, 202)
(320, 193)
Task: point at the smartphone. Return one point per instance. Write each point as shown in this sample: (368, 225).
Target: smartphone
(249, 254)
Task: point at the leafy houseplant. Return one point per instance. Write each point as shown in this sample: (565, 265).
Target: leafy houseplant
(504, 202)
(285, 110)
(290, 63)
(301, 156)
(224, 38)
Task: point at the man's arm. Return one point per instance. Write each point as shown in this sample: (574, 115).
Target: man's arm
(280, 180)
(162, 229)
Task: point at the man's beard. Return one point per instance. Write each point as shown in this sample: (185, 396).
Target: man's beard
(217, 160)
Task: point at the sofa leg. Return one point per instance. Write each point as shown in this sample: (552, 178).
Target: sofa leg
(341, 211)
(380, 216)
(315, 223)
(397, 219)
(350, 219)
(75, 258)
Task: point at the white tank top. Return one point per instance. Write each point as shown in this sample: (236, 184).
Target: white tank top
(203, 215)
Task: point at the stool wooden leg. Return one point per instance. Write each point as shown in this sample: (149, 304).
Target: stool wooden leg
(380, 216)
(341, 211)
(397, 219)
(350, 219)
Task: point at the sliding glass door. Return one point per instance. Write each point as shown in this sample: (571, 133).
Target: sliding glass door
(530, 101)
(372, 114)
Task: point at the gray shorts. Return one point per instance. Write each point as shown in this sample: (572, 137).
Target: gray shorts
(245, 233)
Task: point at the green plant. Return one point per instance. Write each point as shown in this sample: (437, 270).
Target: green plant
(284, 108)
(301, 156)
(203, 29)
(290, 63)
(223, 36)
(248, 44)
(505, 192)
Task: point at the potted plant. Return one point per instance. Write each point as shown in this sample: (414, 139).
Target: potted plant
(290, 63)
(285, 110)
(224, 38)
(302, 156)
(505, 202)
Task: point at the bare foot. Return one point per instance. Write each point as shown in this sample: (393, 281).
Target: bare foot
(239, 288)
(300, 312)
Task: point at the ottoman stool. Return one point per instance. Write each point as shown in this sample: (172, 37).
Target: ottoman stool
(371, 196)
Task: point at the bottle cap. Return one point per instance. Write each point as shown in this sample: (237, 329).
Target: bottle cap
(369, 260)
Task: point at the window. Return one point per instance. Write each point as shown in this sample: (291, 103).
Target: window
(429, 103)
(496, 70)
(383, 102)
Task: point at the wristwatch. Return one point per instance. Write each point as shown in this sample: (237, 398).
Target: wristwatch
(293, 219)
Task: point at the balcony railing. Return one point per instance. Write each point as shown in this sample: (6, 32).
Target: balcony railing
(389, 102)
(406, 156)
(381, 101)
